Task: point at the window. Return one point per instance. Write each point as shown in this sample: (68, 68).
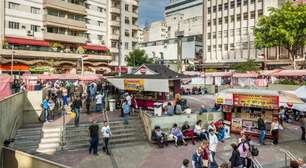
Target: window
(209, 35)
(225, 47)
(209, 48)
(214, 22)
(35, 10)
(252, 1)
(214, 47)
(126, 45)
(232, 46)
(35, 28)
(215, 9)
(226, 19)
(209, 10)
(232, 4)
(220, 47)
(126, 7)
(99, 9)
(220, 34)
(220, 21)
(232, 18)
(245, 2)
(245, 45)
(114, 44)
(13, 25)
(127, 33)
(238, 31)
(238, 3)
(87, 6)
(209, 23)
(226, 6)
(214, 35)
(245, 31)
(260, 12)
(100, 37)
(100, 23)
(127, 20)
(232, 32)
(220, 7)
(252, 13)
(225, 33)
(245, 16)
(259, 1)
(13, 5)
(238, 17)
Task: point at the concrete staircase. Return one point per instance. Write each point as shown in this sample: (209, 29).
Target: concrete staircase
(47, 138)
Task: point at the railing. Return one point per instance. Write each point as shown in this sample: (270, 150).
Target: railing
(255, 163)
(288, 157)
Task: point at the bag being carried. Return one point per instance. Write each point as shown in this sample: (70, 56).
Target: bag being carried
(254, 150)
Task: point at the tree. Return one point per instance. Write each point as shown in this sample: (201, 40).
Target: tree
(138, 57)
(249, 65)
(284, 27)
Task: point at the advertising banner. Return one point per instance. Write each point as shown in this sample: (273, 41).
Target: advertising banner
(268, 102)
(134, 84)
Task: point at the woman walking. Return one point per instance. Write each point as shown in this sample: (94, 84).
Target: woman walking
(275, 127)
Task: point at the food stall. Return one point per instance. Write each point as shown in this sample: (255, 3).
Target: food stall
(150, 83)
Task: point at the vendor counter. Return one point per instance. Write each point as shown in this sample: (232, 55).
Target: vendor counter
(166, 122)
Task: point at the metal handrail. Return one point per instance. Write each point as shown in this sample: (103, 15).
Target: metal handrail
(255, 163)
(288, 154)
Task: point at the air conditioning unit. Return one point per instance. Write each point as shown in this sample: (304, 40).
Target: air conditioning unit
(30, 33)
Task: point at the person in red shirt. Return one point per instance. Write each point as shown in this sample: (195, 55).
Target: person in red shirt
(188, 132)
(205, 154)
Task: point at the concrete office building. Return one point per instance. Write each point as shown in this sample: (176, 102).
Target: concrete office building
(56, 34)
(228, 33)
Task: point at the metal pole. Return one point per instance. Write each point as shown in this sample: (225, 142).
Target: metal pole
(120, 42)
(12, 61)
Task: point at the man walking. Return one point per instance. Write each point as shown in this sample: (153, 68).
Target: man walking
(94, 137)
(126, 111)
(213, 142)
(106, 135)
(262, 130)
(99, 102)
(76, 105)
(45, 107)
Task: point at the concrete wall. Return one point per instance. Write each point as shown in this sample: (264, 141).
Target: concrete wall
(166, 122)
(32, 108)
(11, 115)
(17, 159)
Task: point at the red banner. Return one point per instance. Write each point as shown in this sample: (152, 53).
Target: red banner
(15, 67)
(269, 102)
(5, 88)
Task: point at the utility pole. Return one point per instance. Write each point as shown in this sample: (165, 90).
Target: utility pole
(12, 61)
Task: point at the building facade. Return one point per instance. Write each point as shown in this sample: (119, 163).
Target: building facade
(228, 33)
(57, 34)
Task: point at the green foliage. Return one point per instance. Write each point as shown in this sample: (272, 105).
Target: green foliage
(138, 57)
(288, 82)
(284, 27)
(190, 67)
(57, 45)
(249, 65)
(80, 50)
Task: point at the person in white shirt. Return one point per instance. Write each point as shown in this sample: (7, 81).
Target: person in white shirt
(106, 133)
(128, 99)
(99, 102)
(213, 142)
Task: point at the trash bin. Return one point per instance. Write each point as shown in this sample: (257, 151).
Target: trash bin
(112, 105)
(158, 109)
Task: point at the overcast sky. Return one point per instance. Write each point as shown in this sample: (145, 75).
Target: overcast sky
(151, 10)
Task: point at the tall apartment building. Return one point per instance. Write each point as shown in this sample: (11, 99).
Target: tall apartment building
(58, 33)
(228, 33)
(123, 27)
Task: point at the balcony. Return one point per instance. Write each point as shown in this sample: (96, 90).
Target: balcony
(115, 9)
(64, 22)
(48, 54)
(114, 37)
(115, 23)
(62, 5)
(64, 38)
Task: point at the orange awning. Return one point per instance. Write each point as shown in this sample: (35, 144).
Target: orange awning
(95, 47)
(15, 67)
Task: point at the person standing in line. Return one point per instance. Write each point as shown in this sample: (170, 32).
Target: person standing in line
(45, 107)
(275, 127)
(99, 99)
(76, 105)
(106, 135)
(94, 137)
(65, 96)
(197, 159)
(235, 159)
(126, 111)
(262, 130)
(213, 142)
(185, 163)
(303, 128)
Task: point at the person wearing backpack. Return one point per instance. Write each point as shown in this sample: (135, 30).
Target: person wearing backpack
(236, 161)
(244, 149)
(197, 159)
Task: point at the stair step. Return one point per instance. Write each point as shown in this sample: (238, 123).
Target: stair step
(52, 135)
(51, 140)
(114, 132)
(48, 145)
(27, 142)
(47, 151)
(118, 136)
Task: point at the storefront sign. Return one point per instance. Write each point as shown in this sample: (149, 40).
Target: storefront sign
(269, 102)
(15, 67)
(134, 85)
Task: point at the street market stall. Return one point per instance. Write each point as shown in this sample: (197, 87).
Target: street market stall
(242, 107)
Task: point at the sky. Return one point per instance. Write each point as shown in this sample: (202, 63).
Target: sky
(151, 10)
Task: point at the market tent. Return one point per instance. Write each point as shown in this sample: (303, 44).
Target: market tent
(287, 73)
(301, 92)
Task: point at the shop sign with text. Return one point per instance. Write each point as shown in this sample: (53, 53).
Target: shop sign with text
(269, 102)
(134, 85)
